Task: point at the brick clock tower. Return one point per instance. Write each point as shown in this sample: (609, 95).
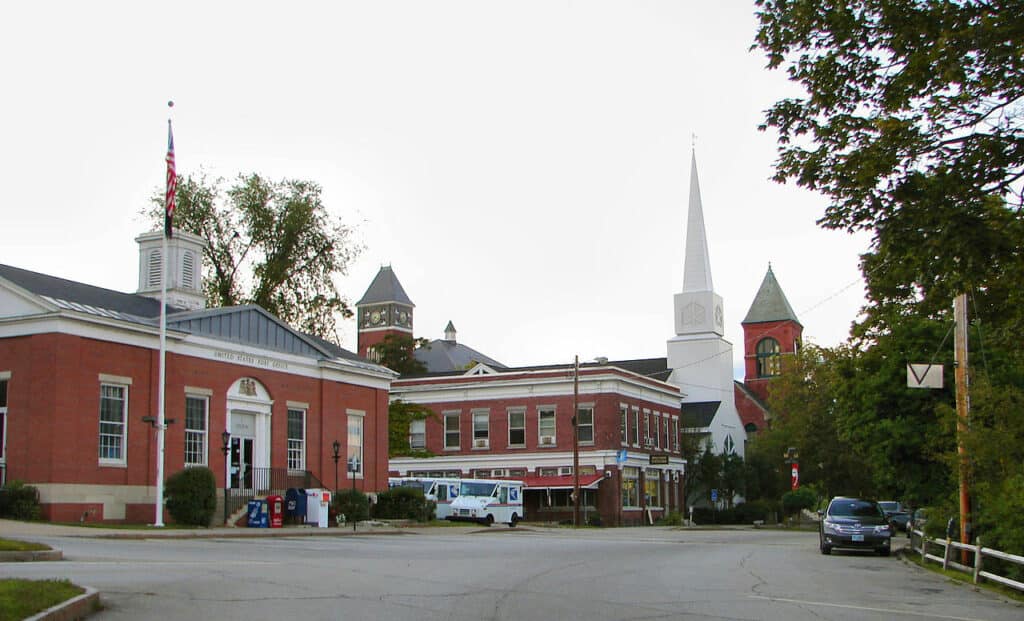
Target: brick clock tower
(770, 330)
(384, 309)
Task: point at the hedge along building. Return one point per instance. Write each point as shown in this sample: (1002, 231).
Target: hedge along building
(79, 381)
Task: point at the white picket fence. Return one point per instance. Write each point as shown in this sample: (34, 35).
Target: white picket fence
(947, 560)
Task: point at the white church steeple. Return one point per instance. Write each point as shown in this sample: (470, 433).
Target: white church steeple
(698, 309)
(697, 265)
(699, 355)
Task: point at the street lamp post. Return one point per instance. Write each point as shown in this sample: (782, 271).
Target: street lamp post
(576, 442)
(793, 459)
(225, 438)
(336, 448)
(353, 467)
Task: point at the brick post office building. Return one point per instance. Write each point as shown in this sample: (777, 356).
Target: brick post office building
(258, 402)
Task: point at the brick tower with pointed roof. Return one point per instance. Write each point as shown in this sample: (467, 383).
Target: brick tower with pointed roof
(384, 309)
(770, 330)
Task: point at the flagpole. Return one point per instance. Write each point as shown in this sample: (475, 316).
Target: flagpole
(161, 426)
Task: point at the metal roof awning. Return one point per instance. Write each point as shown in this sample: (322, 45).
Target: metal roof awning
(587, 481)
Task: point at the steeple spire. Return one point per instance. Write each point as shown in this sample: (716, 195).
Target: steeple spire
(770, 303)
(697, 265)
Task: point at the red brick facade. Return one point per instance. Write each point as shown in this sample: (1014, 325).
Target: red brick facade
(499, 396)
(53, 399)
(752, 396)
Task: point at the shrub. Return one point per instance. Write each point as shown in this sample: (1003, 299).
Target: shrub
(707, 515)
(673, 518)
(749, 512)
(19, 501)
(192, 496)
(798, 500)
(351, 502)
(404, 503)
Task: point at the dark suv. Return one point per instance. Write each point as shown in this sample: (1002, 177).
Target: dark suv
(856, 524)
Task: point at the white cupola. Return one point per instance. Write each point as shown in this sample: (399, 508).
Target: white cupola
(185, 268)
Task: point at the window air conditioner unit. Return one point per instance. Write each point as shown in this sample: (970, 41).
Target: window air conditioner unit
(548, 440)
(480, 443)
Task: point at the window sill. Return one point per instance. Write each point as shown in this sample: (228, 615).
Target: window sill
(516, 446)
(113, 464)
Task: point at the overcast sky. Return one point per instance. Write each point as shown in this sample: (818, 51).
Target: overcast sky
(523, 166)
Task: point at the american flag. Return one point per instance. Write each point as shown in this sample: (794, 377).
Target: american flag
(172, 183)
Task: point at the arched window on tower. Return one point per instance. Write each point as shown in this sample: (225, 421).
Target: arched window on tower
(768, 358)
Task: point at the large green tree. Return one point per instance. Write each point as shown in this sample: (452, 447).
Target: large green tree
(397, 352)
(271, 243)
(912, 124)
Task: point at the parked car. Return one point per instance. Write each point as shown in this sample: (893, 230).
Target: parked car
(856, 524)
(917, 519)
(896, 514)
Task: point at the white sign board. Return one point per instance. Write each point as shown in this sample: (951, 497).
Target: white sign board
(924, 375)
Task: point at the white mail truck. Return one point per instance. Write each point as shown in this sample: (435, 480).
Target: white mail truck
(488, 501)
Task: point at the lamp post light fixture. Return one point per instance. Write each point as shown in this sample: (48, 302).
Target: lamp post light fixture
(336, 454)
(225, 438)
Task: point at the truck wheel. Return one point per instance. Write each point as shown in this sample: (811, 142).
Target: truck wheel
(488, 520)
(514, 521)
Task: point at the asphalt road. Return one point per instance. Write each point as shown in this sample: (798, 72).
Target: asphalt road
(504, 574)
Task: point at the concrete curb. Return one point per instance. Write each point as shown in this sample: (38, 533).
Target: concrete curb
(15, 556)
(78, 607)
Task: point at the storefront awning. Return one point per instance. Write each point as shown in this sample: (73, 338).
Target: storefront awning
(587, 481)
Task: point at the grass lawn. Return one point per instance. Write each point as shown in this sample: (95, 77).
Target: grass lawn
(23, 598)
(12, 545)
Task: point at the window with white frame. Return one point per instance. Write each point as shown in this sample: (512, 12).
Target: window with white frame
(418, 434)
(452, 438)
(355, 441)
(647, 428)
(196, 421)
(657, 430)
(675, 433)
(517, 426)
(630, 486)
(113, 423)
(668, 438)
(481, 428)
(636, 426)
(546, 426)
(624, 424)
(296, 439)
(585, 424)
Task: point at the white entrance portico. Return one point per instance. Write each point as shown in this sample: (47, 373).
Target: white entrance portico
(248, 416)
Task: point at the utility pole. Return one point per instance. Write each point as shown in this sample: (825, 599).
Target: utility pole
(575, 443)
(963, 406)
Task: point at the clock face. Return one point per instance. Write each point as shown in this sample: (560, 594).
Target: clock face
(375, 317)
(403, 317)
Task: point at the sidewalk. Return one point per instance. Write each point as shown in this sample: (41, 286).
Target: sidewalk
(13, 529)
